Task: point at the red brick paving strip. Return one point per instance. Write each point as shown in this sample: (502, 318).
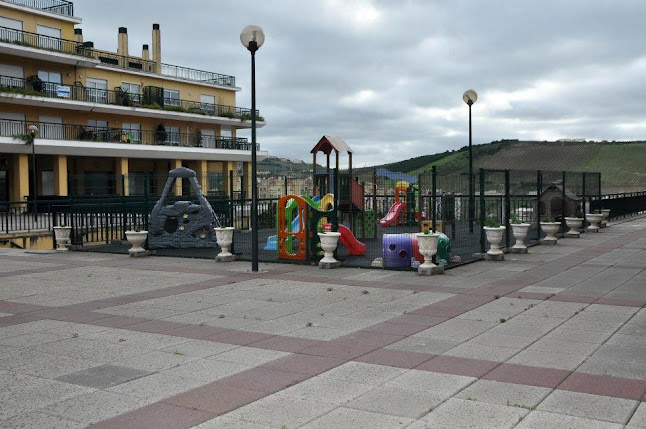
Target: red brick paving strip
(605, 385)
(157, 416)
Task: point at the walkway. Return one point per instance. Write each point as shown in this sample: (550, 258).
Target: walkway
(555, 338)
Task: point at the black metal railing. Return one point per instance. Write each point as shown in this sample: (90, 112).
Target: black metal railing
(621, 205)
(119, 97)
(33, 40)
(186, 73)
(50, 131)
(60, 7)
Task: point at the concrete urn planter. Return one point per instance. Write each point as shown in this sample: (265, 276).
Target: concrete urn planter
(606, 215)
(574, 224)
(62, 237)
(136, 239)
(224, 237)
(329, 241)
(519, 231)
(494, 237)
(594, 219)
(428, 248)
(550, 229)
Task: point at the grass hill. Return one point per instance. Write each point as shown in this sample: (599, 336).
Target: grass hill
(622, 164)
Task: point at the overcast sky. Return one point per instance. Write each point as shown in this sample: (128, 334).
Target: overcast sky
(388, 75)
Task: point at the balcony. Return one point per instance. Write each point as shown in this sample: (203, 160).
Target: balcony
(152, 99)
(49, 131)
(60, 7)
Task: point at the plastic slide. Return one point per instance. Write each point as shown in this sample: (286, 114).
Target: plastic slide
(393, 214)
(354, 246)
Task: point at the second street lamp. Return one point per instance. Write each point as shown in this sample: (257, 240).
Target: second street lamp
(252, 37)
(470, 97)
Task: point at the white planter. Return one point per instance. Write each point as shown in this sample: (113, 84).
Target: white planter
(550, 229)
(136, 238)
(62, 237)
(494, 237)
(594, 219)
(606, 214)
(428, 248)
(224, 237)
(519, 230)
(574, 224)
(329, 241)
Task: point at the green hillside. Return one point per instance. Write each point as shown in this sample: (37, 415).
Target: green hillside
(622, 164)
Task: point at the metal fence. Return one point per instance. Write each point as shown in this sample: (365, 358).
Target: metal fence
(392, 211)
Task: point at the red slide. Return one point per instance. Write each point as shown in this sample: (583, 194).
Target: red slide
(393, 214)
(354, 246)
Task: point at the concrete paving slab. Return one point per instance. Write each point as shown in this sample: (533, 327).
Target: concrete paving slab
(281, 411)
(103, 376)
(363, 373)
(542, 419)
(514, 395)
(638, 419)
(39, 420)
(445, 385)
(615, 410)
(459, 413)
(396, 401)
(358, 419)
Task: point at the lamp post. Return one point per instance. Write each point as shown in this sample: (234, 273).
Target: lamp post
(252, 38)
(33, 129)
(470, 97)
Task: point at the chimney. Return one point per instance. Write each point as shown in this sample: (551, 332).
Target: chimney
(122, 48)
(157, 48)
(78, 35)
(145, 54)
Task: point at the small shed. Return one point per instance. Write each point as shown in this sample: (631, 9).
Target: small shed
(327, 145)
(554, 198)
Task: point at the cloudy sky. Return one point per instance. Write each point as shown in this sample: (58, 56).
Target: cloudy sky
(388, 75)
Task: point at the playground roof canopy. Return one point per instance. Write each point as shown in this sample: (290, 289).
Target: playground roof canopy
(329, 143)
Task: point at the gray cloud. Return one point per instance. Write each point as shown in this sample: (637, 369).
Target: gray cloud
(388, 76)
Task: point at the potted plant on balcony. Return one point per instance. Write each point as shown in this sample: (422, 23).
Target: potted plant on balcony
(594, 218)
(136, 238)
(574, 224)
(519, 229)
(427, 243)
(160, 134)
(494, 232)
(123, 97)
(329, 240)
(198, 138)
(224, 237)
(36, 83)
(550, 228)
(62, 236)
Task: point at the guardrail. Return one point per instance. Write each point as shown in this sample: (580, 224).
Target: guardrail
(33, 40)
(61, 7)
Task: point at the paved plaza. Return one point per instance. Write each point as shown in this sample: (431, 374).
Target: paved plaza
(552, 339)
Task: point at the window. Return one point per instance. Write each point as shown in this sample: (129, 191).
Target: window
(47, 182)
(12, 124)
(208, 139)
(225, 131)
(97, 130)
(11, 29)
(48, 37)
(171, 97)
(134, 90)
(11, 76)
(50, 81)
(207, 103)
(51, 127)
(131, 133)
(172, 135)
(96, 90)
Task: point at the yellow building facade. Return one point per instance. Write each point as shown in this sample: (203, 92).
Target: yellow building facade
(108, 122)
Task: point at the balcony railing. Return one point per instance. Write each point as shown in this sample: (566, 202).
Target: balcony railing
(50, 131)
(36, 87)
(60, 7)
(33, 40)
(197, 75)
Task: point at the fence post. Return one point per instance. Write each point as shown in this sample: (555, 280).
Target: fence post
(145, 217)
(286, 191)
(374, 200)
(507, 208)
(482, 210)
(539, 191)
(434, 196)
(420, 202)
(583, 196)
(563, 207)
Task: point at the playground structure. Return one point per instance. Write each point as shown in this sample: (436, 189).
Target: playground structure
(404, 211)
(401, 250)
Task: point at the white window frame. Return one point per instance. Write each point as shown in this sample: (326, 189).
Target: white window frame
(171, 97)
(96, 90)
(132, 132)
(134, 89)
(12, 30)
(172, 135)
(12, 76)
(49, 37)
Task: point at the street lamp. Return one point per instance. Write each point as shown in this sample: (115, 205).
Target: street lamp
(33, 129)
(252, 38)
(470, 97)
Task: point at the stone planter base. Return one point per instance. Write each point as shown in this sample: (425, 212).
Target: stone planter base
(603, 224)
(520, 251)
(430, 271)
(548, 242)
(326, 265)
(489, 257)
(139, 254)
(572, 234)
(226, 258)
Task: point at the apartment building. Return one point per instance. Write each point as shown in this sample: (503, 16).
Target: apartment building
(108, 122)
